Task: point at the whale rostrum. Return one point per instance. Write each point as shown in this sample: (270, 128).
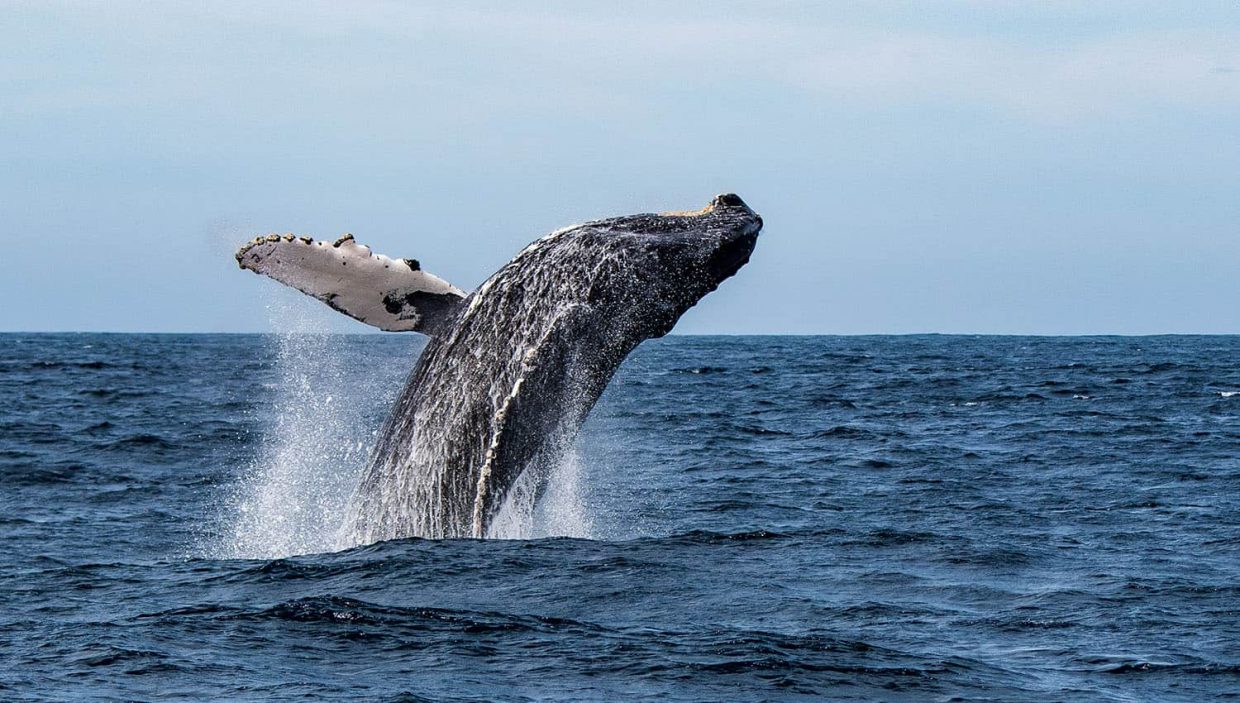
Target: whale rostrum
(512, 369)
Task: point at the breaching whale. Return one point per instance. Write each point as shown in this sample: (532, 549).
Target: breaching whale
(511, 370)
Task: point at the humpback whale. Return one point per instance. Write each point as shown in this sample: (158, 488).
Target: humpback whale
(512, 369)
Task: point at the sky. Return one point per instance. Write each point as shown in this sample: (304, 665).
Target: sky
(992, 167)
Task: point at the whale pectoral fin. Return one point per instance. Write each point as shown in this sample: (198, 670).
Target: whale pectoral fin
(392, 294)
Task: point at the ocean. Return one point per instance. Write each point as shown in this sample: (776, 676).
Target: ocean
(904, 518)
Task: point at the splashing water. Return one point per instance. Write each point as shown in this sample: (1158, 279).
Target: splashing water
(292, 498)
(560, 512)
(295, 497)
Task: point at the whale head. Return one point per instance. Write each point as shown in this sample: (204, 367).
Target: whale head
(657, 266)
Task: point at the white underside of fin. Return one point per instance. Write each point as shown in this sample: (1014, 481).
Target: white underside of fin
(392, 294)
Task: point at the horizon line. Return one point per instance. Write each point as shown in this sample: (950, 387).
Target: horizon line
(672, 334)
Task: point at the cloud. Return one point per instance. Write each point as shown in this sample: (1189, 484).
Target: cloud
(597, 53)
(598, 58)
(1105, 77)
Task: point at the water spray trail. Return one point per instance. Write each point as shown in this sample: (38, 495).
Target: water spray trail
(562, 510)
(295, 498)
(292, 498)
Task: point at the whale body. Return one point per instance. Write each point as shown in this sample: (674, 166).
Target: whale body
(511, 370)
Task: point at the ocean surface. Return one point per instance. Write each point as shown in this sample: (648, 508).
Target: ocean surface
(923, 518)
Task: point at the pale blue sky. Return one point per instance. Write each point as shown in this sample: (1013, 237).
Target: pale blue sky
(990, 167)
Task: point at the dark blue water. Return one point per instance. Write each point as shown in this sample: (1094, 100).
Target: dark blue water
(835, 518)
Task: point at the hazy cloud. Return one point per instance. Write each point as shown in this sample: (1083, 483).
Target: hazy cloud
(587, 57)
